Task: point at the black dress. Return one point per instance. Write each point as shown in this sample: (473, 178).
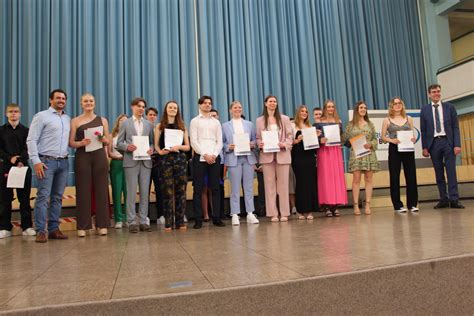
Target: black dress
(304, 167)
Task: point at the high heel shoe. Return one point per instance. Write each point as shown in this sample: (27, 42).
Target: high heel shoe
(367, 208)
(356, 210)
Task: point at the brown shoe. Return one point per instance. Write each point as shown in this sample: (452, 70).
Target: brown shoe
(145, 228)
(57, 234)
(41, 237)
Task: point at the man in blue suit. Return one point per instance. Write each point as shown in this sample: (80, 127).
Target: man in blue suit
(440, 139)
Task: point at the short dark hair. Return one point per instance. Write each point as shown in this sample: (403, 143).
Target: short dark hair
(214, 111)
(137, 100)
(317, 109)
(12, 105)
(151, 109)
(204, 98)
(51, 94)
(433, 86)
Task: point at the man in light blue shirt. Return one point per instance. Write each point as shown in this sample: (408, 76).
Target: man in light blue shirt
(48, 150)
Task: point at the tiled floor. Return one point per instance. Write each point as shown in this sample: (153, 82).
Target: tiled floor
(123, 265)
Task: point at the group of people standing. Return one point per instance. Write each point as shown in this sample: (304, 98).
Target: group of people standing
(319, 173)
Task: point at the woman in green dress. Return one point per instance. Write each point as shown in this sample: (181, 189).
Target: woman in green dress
(366, 162)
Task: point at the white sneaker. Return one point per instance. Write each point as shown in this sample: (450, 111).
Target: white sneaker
(185, 219)
(252, 219)
(235, 220)
(414, 209)
(5, 233)
(401, 210)
(29, 232)
(118, 225)
(161, 220)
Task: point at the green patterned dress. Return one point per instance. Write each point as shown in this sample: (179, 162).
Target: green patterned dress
(369, 162)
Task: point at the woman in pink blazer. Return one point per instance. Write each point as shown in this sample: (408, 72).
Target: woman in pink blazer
(275, 165)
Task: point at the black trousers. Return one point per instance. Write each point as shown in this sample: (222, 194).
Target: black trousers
(6, 198)
(200, 169)
(156, 177)
(395, 161)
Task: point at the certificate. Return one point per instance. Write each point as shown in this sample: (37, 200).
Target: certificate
(143, 145)
(16, 177)
(270, 141)
(242, 144)
(332, 134)
(405, 145)
(93, 134)
(310, 138)
(173, 137)
(357, 143)
(207, 147)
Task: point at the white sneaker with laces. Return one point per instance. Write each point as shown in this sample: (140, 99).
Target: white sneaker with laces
(161, 220)
(5, 234)
(252, 219)
(235, 220)
(414, 209)
(29, 232)
(118, 225)
(401, 210)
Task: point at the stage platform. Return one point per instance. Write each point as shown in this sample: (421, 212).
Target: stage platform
(384, 263)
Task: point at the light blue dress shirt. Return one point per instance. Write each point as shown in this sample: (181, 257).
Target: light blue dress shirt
(48, 135)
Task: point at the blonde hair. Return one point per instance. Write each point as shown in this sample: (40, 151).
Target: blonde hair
(391, 104)
(87, 94)
(325, 111)
(297, 116)
(115, 130)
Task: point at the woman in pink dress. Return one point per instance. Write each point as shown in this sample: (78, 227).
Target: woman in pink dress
(331, 182)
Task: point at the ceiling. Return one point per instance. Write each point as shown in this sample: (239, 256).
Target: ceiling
(461, 20)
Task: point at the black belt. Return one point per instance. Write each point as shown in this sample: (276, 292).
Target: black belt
(52, 158)
(441, 136)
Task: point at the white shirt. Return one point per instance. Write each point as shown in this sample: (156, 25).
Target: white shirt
(138, 123)
(238, 126)
(441, 119)
(206, 135)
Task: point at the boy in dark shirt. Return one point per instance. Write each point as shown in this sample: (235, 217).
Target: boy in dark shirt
(14, 153)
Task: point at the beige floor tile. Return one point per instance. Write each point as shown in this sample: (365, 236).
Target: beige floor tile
(59, 293)
(160, 284)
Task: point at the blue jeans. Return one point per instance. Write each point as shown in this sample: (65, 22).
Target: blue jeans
(50, 189)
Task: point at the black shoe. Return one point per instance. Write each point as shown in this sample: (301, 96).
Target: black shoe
(218, 223)
(442, 204)
(197, 225)
(455, 204)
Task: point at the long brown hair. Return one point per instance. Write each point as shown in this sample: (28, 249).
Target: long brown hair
(116, 127)
(391, 104)
(277, 113)
(297, 116)
(177, 120)
(325, 111)
(355, 113)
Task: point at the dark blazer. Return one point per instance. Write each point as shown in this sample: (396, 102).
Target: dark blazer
(451, 125)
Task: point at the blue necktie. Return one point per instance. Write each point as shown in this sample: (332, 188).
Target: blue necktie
(437, 120)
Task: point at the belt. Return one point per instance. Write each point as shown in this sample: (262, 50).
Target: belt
(441, 136)
(52, 158)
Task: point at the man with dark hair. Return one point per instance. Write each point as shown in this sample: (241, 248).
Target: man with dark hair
(440, 139)
(13, 153)
(206, 141)
(137, 169)
(317, 113)
(47, 144)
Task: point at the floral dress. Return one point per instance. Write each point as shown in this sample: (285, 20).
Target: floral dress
(369, 162)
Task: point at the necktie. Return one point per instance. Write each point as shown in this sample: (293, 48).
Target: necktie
(437, 120)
